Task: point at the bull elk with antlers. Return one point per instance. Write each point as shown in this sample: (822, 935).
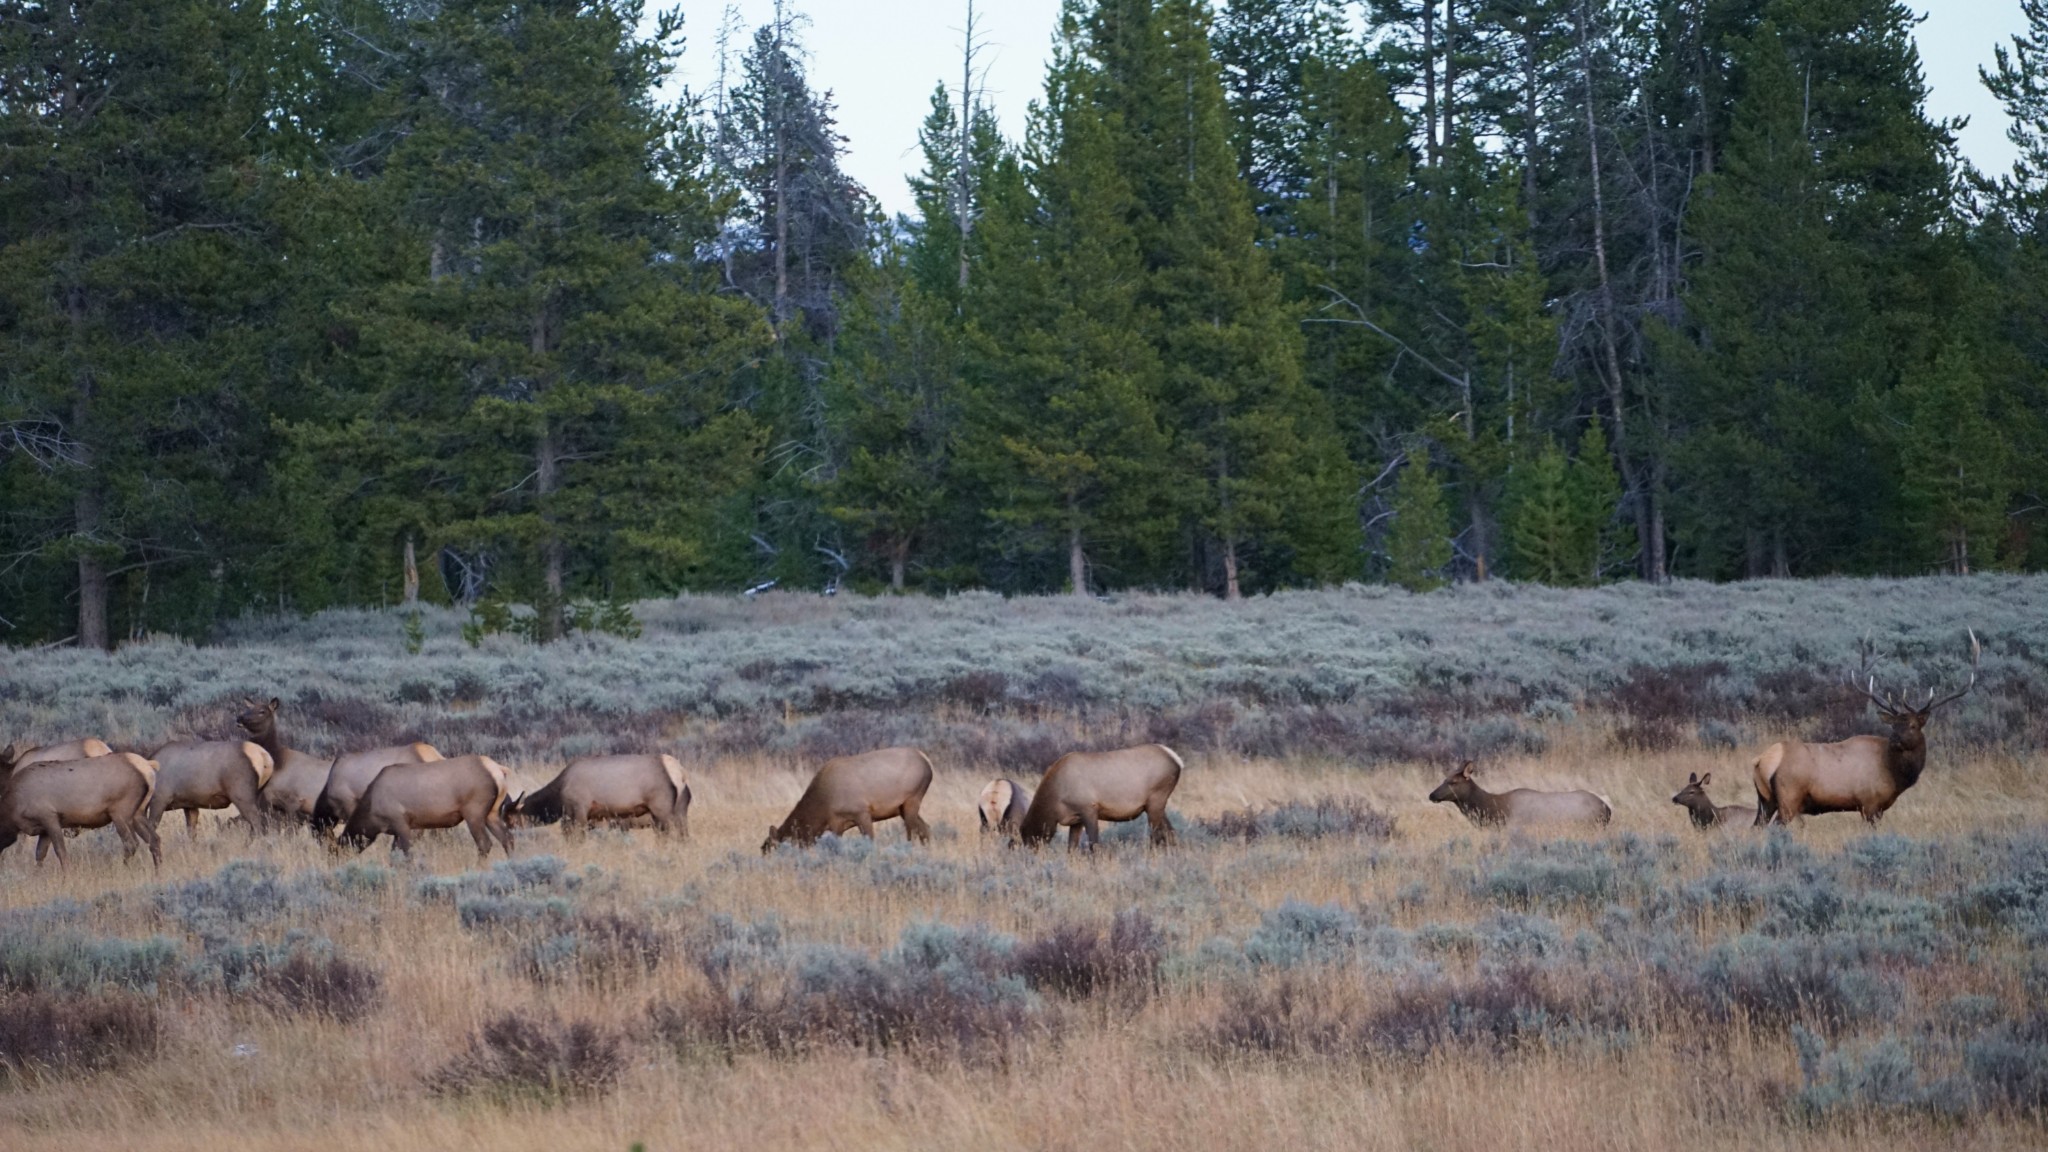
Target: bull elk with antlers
(1865, 774)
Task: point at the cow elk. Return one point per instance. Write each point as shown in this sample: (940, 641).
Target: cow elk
(1002, 806)
(617, 788)
(1083, 789)
(84, 749)
(409, 798)
(1866, 774)
(858, 792)
(196, 775)
(351, 776)
(1705, 813)
(1519, 807)
(296, 777)
(46, 798)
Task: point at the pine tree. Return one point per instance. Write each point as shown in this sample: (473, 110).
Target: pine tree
(1419, 543)
(1067, 434)
(1953, 462)
(546, 400)
(1593, 487)
(138, 282)
(1542, 530)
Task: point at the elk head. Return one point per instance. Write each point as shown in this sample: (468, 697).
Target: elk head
(1909, 724)
(1694, 799)
(258, 719)
(774, 838)
(8, 756)
(1458, 787)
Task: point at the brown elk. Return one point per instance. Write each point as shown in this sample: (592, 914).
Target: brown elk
(296, 777)
(351, 776)
(1519, 807)
(192, 775)
(84, 749)
(610, 788)
(857, 792)
(1865, 774)
(1082, 789)
(46, 798)
(1002, 805)
(408, 798)
(1705, 813)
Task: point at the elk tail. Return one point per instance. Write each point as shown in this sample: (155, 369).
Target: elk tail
(1179, 765)
(674, 768)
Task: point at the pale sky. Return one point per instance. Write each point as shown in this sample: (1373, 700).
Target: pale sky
(881, 58)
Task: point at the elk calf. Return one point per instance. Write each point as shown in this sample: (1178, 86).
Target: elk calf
(1520, 807)
(1705, 813)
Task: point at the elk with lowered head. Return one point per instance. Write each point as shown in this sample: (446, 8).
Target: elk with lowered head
(1002, 805)
(409, 798)
(624, 787)
(46, 798)
(84, 749)
(1519, 807)
(192, 775)
(858, 792)
(1705, 813)
(1082, 789)
(1865, 774)
(351, 775)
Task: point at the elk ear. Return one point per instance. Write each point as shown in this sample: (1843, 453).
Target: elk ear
(1692, 778)
(275, 704)
(1705, 779)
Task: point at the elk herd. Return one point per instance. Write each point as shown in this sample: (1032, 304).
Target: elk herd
(354, 798)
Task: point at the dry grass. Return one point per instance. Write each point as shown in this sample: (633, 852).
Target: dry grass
(233, 1072)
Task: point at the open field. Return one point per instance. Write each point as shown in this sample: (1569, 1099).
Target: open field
(1335, 981)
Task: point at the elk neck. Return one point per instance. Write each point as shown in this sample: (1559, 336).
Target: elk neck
(1905, 756)
(1481, 806)
(1702, 811)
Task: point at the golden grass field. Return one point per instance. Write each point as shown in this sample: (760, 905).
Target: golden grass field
(1121, 1073)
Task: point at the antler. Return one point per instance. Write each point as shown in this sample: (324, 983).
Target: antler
(1869, 688)
(1976, 658)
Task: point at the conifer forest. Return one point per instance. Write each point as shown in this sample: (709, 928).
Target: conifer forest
(309, 304)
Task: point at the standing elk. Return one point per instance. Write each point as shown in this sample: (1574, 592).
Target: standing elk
(409, 798)
(47, 797)
(619, 788)
(1082, 789)
(84, 749)
(1866, 774)
(1519, 807)
(1002, 806)
(1705, 813)
(351, 777)
(296, 777)
(210, 774)
(858, 792)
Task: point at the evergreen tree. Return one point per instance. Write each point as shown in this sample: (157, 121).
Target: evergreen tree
(1068, 440)
(547, 397)
(1953, 463)
(140, 156)
(1419, 543)
(1543, 538)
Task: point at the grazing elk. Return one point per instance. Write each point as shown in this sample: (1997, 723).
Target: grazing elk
(296, 777)
(351, 775)
(46, 798)
(1521, 806)
(1705, 813)
(610, 788)
(857, 792)
(408, 798)
(84, 749)
(1002, 805)
(192, 775)
(1082, 789)
(1865, 774)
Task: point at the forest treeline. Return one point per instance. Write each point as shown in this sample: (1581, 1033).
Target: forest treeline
(327, 302)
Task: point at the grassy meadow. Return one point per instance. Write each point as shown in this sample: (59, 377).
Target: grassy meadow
(1326, 960)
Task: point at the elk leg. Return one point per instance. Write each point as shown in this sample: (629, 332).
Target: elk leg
(866, 822)
(914, 826)
(129, 844)
(1074, 836)
(1162, 828)
(250, 808)
(52, 834)
(497, 827)
(42, 848)
(149, 836)
(482, 837)
(1094, 828)
(192, 823)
